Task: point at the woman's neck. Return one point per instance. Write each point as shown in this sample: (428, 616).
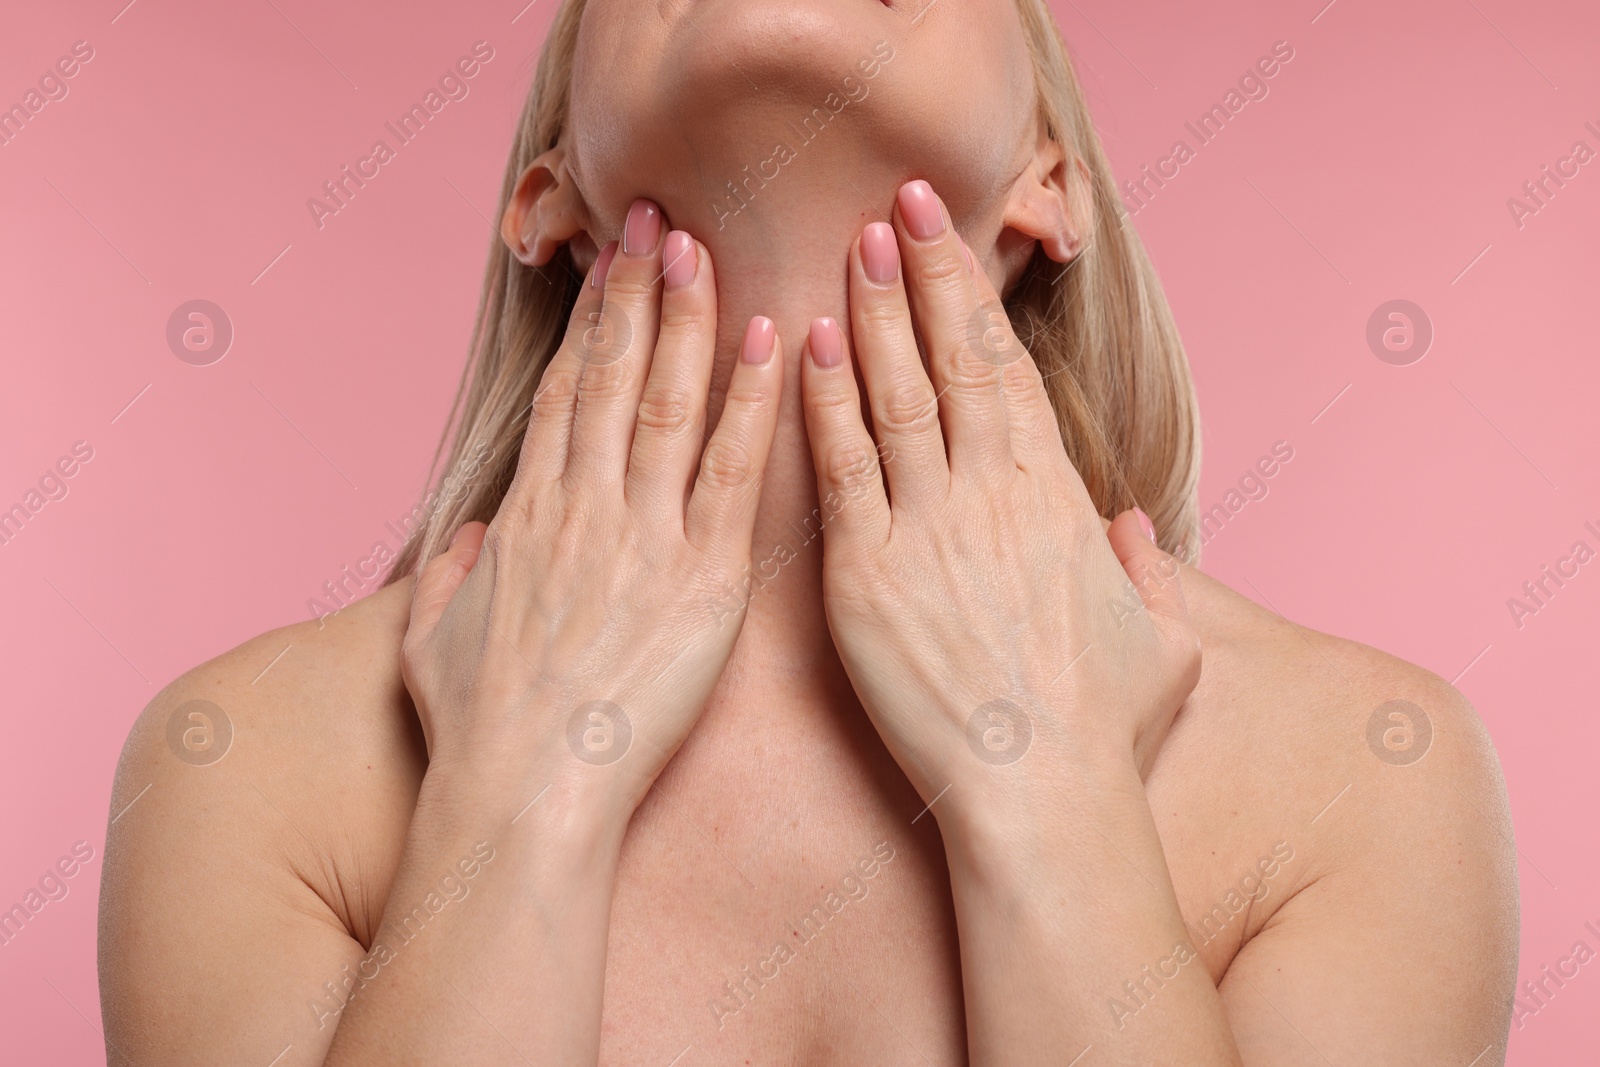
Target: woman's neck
(780, 248)
(792, 274)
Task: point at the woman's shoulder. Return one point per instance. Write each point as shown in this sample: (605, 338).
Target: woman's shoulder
(1378, 793)
(1385, 765)
(299, 744)
(323, 678)
(1326, 685)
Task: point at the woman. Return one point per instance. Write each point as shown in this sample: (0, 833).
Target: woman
(774, 692)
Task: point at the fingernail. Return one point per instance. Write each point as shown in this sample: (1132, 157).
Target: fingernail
(1147, 526)
(683, 259)
(827, 347)
(880, 253)
(642, 229)
(758, 338)
(456, 536)
(920, 208)
(602, 265)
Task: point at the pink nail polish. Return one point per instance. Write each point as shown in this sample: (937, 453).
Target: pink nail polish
(880, 253)
(682, 259)
(1147, 526)
(758, 339)
(602, 265)
(920, 208)
(643, 227)
(827, 346)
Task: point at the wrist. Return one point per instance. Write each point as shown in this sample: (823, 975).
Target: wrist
(568, 813)
(1001, 824)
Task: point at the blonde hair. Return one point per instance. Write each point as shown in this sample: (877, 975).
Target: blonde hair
(1099, 330)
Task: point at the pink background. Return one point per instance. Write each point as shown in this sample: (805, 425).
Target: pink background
(1378, 168)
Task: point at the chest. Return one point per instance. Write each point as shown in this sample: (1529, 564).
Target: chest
(783, 896)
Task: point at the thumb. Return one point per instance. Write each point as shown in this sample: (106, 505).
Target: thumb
(443, 575)
(1154, 573)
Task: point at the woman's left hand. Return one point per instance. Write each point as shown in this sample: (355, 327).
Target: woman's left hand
(988, 619)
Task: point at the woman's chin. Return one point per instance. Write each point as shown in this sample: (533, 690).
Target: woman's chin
(798, 47)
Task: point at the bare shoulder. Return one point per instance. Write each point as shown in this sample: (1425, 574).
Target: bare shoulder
(1307, 707)
(297, 747)
(1383, 780)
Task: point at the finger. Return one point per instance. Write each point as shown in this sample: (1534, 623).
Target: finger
(944, 305)
(722, 506)
(617, 356)
(549, 432)
(1030, 416)
(905, 409)
(850, 492)
(438, 581)
(670, 430)
(1154, 574)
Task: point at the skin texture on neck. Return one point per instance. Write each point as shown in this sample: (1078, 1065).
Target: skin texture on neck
(785, 256)
(774, 135)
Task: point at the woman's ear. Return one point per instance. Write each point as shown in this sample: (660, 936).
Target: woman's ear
(1051, 203)
(545, 212)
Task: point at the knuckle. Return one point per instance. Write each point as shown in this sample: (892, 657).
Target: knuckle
(850, 465)
(992, 347)
(836, 402)
(685, 321)
(965, 372)
(1024, 383)
(940, 272)
(665, 407)
(626, 286)
(604, 334)
(747, 396)
(603, 381)
(882, 315)
(907, 408)
(727, 464)
(555, 393)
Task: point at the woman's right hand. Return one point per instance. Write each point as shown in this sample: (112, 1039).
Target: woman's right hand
(575, 639)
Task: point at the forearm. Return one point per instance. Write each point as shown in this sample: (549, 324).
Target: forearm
(512, 967)
(1070, 931)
